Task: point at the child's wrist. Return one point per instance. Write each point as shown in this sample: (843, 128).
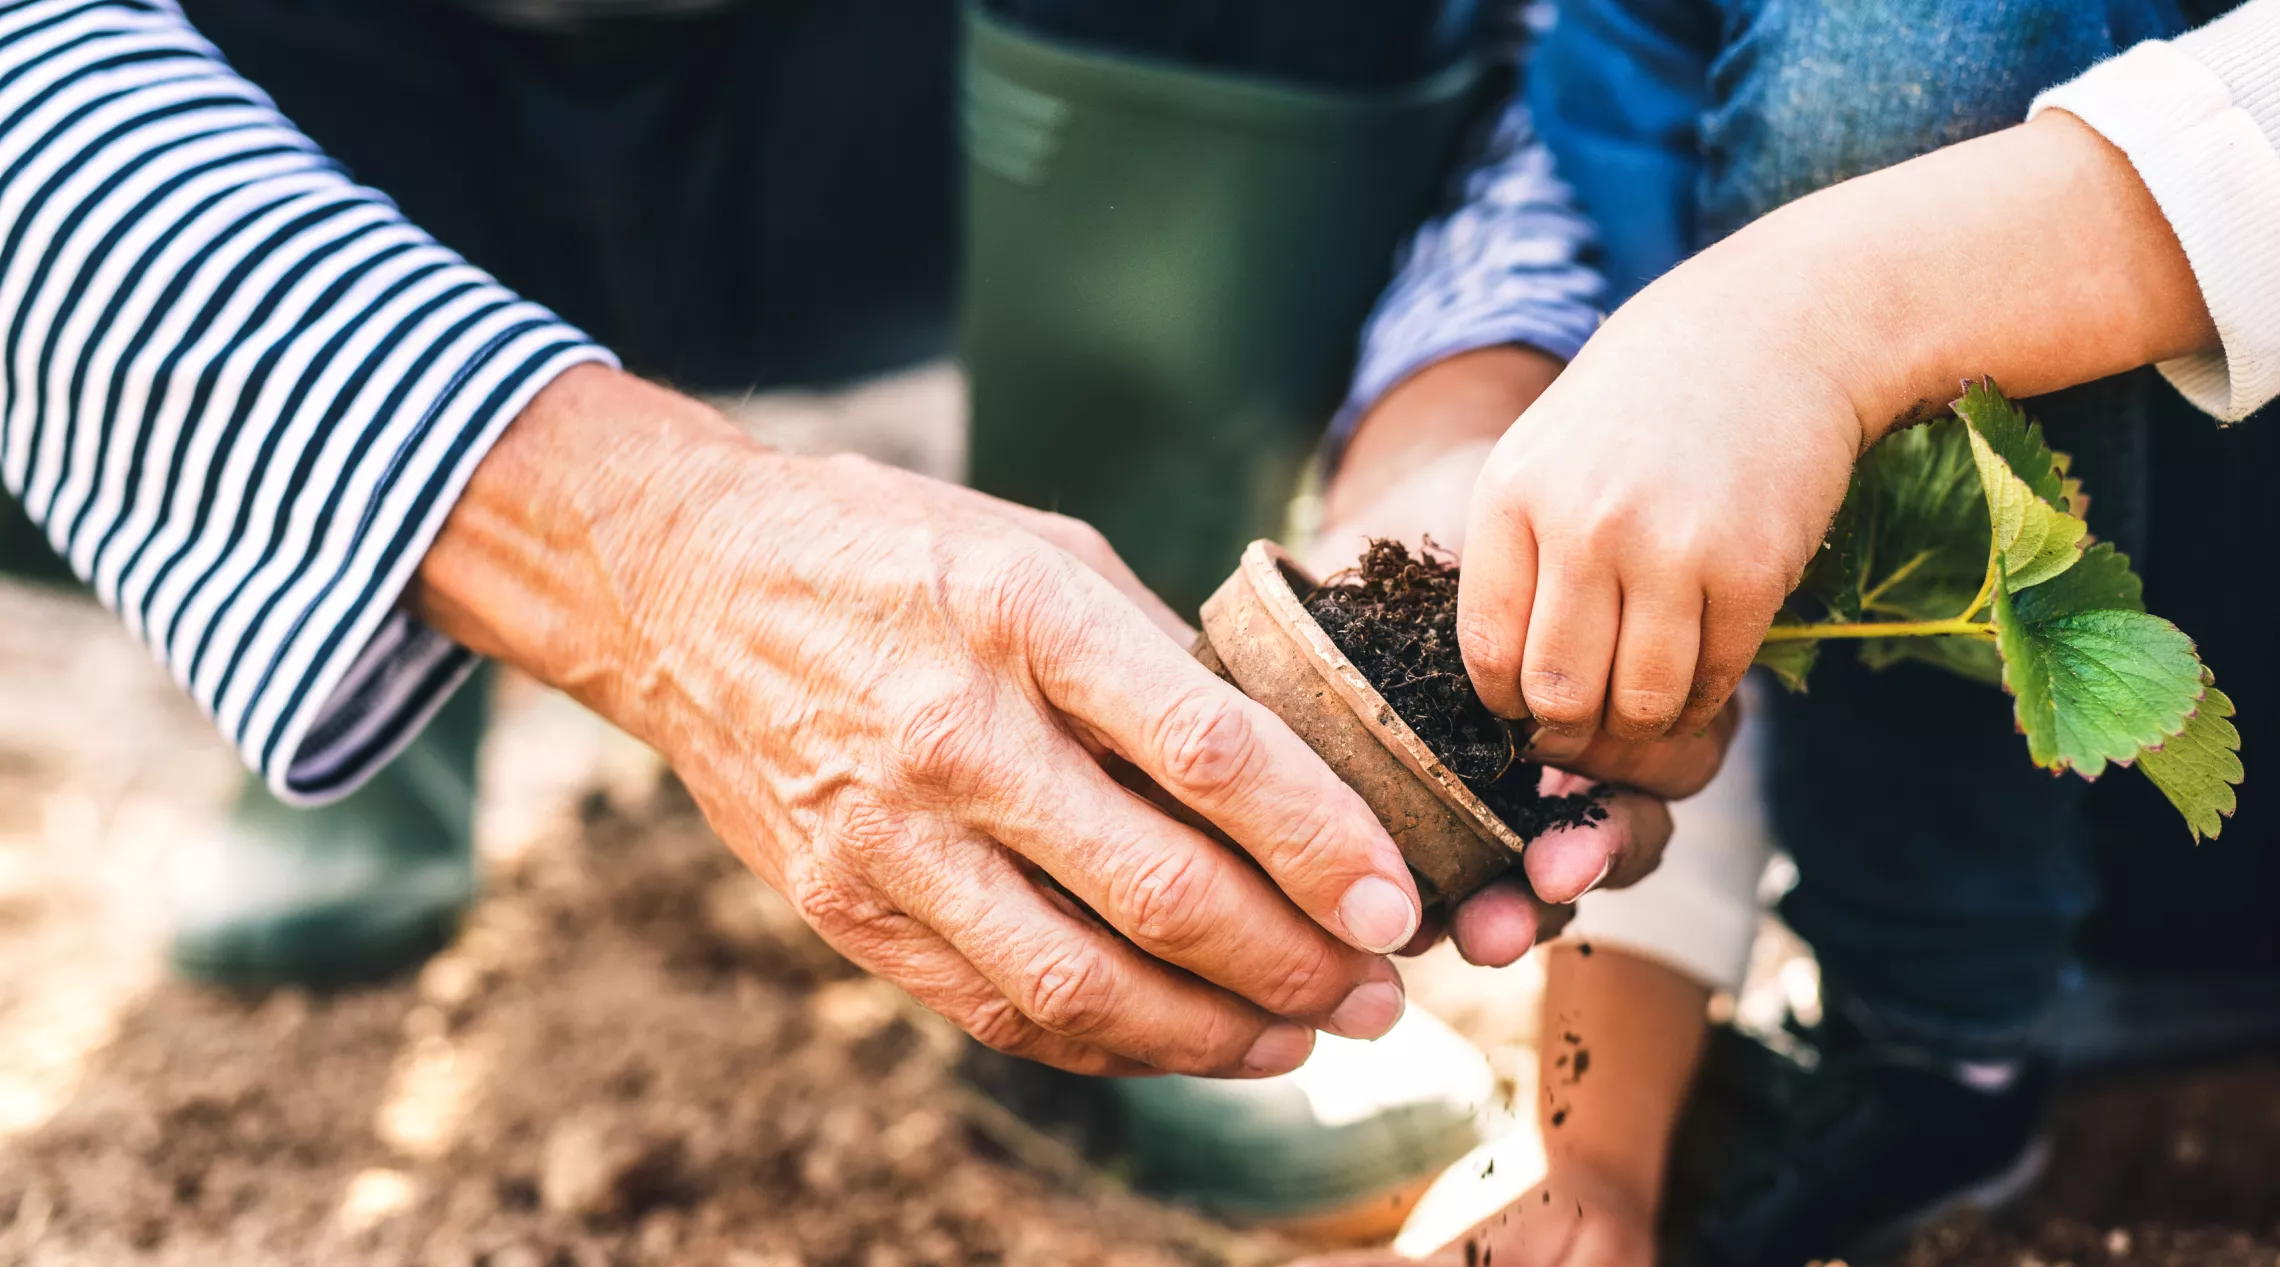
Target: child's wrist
(2053, 267)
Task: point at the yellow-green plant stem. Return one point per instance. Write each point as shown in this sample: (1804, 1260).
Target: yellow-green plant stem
(1986, 584)
(1965, 626)
(1958, 627)
(1899, 574)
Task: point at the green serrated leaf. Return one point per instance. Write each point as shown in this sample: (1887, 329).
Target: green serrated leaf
(1925, 523)
(2198, 769)
(2037, 539)
(2096, 680)
(2072, 497)
(1833, 579)
(1789, 660)
(2017, 439)
(2103, 581)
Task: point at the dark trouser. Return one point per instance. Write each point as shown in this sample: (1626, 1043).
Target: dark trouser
(1943, 881)
(762, 196)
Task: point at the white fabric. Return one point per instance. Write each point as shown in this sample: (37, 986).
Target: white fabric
(2199, 117)
(1698, 912)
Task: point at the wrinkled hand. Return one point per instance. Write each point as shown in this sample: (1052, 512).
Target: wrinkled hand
(893, 699)
(1409, 474)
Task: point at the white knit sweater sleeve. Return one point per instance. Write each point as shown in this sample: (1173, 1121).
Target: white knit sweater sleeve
(2199, 117)
(1698, 912)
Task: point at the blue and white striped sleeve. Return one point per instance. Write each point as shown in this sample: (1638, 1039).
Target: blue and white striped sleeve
(1510, 264)
(239, 392)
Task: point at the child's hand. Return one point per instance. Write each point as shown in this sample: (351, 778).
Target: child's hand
(1412, 464)
(1635, 531)
(1634, 534)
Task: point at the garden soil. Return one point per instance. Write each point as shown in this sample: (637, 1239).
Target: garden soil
(636, 1055)
(1395, 617)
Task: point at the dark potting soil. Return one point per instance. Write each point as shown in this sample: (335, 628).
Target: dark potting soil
(1395, 617)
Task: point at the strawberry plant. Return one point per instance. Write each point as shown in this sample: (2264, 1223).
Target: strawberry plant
(1962, 544)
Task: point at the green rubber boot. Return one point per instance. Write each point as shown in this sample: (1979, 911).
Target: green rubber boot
(355, 891)
(1166, 271)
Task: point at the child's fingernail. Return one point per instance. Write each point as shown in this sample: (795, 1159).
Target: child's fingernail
(1547, 745)
(1601, 878)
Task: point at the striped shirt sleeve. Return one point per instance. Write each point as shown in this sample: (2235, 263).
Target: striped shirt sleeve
(239, 392)
(1509, 263)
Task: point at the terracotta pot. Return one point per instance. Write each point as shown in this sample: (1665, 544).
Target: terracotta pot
(1257, 635)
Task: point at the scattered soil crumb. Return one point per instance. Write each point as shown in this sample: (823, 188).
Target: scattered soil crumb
(1395, 617)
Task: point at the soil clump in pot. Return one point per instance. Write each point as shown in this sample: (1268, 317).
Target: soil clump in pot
(1395, 617)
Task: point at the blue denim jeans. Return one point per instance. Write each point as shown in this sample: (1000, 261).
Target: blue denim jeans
(1943, 880)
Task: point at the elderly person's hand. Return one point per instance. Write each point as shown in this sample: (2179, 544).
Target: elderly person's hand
(1409, 474)
(893, 698)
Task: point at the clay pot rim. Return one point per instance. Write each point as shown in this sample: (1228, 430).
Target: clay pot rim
(1269, 568)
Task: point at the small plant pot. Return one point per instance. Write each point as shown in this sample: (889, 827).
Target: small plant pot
(1258, 635)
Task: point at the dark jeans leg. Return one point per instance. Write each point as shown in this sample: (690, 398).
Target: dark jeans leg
(1942, 879)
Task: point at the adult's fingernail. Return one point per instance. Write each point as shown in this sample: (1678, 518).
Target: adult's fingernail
(1368, 1012)
(1377, 915)
(1282, 1048)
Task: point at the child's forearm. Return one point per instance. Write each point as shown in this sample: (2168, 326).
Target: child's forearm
(1621, 1038)
(2034, 255)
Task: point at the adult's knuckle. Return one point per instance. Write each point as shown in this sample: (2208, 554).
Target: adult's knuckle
(1016, 586)
(1311, 983)
(1318, 839)
(1072, 992)
(860, 828)
(1164, 901)
(942, 740)
(1207, 741)
(997, 1024)
(844, 911)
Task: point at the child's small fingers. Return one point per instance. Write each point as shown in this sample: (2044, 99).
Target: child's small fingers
(1734, 621)
(1495, 591)
(1654, 659)
(1571, 644)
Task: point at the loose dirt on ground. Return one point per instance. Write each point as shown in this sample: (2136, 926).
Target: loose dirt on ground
(636, 1054)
